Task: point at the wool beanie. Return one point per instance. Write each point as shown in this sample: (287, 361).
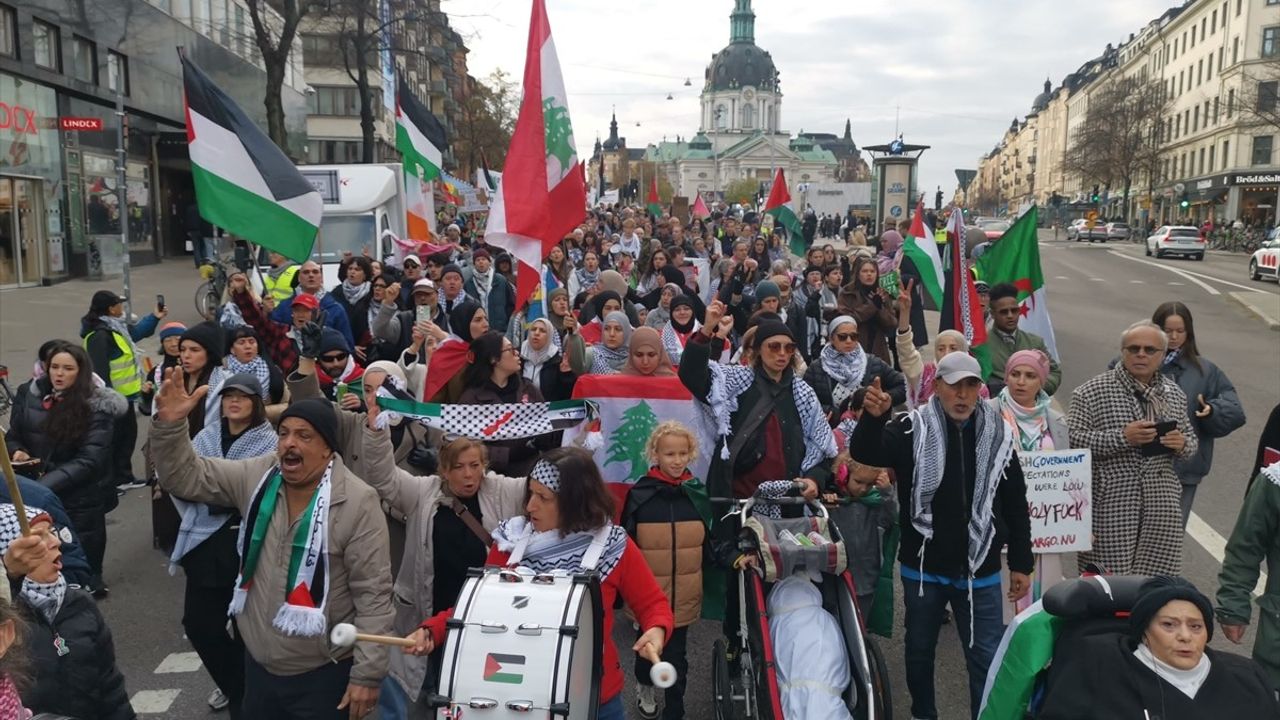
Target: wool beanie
(209, 336)
(331, 340)
(1158, 592)
(171, 329)
(771, 328)
(767, 289)
(451, 268)
(319, 414)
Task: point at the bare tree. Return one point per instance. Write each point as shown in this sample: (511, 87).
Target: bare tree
(486, 122)
(1119, 140)
(1259, 99)
(274, 33)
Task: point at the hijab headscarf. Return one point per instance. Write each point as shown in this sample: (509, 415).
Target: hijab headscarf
(890, 244)
(1030, 424)
(647, 337)
(607, 360)
(460, 318)
(535, 359)
(557, 321)
(682, 301)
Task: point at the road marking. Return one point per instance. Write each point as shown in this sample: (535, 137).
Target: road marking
(1097, 279)
(1216, 545)
(153, 702)
(1175, 282)
(1191, 274)
(1061, 277)
(1138, 282)
(179, 662)
(1177, 271)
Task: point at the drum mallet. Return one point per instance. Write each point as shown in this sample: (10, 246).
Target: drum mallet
(345, 635)
(662, 675)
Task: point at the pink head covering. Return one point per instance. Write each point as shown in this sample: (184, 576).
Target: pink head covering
(890, 241)
(1034, 359)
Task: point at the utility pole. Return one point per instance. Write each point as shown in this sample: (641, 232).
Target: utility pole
(122, 191)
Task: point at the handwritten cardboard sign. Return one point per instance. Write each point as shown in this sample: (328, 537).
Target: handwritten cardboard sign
(1060, 499)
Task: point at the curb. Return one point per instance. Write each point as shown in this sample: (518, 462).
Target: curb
(1272, 321)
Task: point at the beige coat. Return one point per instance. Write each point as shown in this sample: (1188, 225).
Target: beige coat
(359, 566)
(417, 498)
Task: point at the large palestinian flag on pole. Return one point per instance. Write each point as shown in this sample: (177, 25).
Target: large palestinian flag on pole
(652, 203)
(779, 206)
(1015, 259)
(923, 251)
(244, 183)
(542, 195)
(960, 308)
(420, 138)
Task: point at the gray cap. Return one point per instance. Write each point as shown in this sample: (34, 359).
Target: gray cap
(246, 383)
(957, 366)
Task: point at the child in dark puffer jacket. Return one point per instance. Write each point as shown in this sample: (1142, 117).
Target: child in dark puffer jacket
(668, 513)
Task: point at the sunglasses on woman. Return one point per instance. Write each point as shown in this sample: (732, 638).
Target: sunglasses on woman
(846, 337)
(788, 348)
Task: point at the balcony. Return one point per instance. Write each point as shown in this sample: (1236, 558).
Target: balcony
(437, 87)
(437, 54)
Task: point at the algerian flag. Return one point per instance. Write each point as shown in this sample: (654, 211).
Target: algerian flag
(244, 183)
(923, 251)
(420, 139)
(779, 206)
(1025, 649)
(1015, 259)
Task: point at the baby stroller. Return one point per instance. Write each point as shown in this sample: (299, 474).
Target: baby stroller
(745, 672)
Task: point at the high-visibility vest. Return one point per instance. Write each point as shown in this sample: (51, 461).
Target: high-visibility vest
(126, 379)
(281, 288)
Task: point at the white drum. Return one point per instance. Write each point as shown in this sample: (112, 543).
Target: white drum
(521, 643)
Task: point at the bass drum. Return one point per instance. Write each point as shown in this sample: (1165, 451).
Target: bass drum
(522, 644)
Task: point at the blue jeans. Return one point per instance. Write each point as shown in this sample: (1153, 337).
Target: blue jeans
(392, 701)
(924, 614)
(612, 710)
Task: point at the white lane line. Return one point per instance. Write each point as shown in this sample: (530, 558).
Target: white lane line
(1138, 282)
(1174, 282)
(1061, 277)
(1190, 274)
(1180, 273)
(1098, 279)
(1216, 545)
(153, 702)
(179, 662)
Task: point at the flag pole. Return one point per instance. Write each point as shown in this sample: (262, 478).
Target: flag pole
(15, 493)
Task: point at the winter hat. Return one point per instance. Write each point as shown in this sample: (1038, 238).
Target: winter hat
(1034, 359)
(451, 268)
(1158, 592)
(209, 336)
(331, 340)
(241, 331)
(771, 328)
(171, 329)
(319, 414)
(480, 253)
(103, 300)
(811, 269)
(838, 321)
(767, 289)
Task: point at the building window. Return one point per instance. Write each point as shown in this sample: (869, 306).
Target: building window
(1267, 96)
(748, 117)
(46, 45)
(1261, 150)
(1195, 120)
(1235, 50)
(339, 101)
(242, 32)
(1231, 103)
(117, 72)
(1271, 41)
(1199, 72)
(84, 60)
(8, 31)
(721, 117)
(1200, 162)
(1213, 25)
(1238, 8)
(1220, 60)
(1211, 163)
(1215, 111)
(1226, 147)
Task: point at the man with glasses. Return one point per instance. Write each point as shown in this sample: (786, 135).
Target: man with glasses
(412, 273)
(311, 282)
(335, 365)
(1134, 420)
(1009, 338)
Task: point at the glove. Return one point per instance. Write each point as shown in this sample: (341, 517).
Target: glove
(426, 459)
(309, 340)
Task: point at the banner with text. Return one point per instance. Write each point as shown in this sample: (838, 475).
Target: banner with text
(1060, 500)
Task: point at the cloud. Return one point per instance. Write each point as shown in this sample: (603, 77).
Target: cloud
(951, 75)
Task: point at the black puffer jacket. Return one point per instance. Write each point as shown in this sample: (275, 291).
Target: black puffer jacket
(83, 682)
(73, 471)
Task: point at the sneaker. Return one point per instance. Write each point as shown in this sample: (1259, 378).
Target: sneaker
(131, 485)
(647, 701)
(100, 592)
(217, 700)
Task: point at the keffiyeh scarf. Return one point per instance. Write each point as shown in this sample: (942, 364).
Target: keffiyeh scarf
(673, 341)
(483, 283)
(257, 366)
(45, 598)
(551, 550)
(308, 578)
(354, 293)
(587, 279)
(10, 701)
(729, 382)
(847, 369)
(199, 523)
(608, 361)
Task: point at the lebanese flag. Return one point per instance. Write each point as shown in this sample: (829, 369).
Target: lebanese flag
(244, 183)
(629, 408)
(960, 308)
(700, 210)
(541, 196)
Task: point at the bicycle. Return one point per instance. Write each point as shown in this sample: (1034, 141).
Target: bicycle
(209, 293)
(6, 394)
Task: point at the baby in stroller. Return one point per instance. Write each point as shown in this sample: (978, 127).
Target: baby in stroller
(812, 665)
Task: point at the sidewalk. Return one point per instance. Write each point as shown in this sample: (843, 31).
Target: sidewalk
(30, 316)
(1265, 305)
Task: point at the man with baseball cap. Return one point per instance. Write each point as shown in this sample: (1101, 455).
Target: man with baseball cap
(957, 516)
(394, 328)
(311, 282)
(292, 586)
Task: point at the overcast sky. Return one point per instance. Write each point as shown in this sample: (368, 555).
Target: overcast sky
(955, 72)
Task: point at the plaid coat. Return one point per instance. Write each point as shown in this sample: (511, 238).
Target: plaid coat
(277, 344)
(1137, 516)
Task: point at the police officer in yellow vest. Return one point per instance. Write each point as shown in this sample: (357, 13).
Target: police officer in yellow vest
(281, 279)
(109, 341)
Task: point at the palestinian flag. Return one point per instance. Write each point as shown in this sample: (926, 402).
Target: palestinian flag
(779, 206)
(495, 422)
(700, 210)
(541, 196)
(923, 251)
(628, 408)
(504, 668)
(652, 203)
(244, 183)
(1025, 649)
(420, 138)
(485, 178)
(960, 308)
(1015, 259)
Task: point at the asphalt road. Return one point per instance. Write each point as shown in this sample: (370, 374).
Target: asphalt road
(1095, 291)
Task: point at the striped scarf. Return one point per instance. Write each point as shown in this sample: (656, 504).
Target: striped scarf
(551, 550)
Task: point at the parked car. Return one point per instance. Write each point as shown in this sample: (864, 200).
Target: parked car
(1176, 240)
(1265, 261)
(1117, 231)
(1080, 230)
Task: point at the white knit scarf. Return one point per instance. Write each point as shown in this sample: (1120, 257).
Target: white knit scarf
(354, 293)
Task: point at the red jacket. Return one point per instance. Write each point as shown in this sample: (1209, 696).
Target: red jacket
(274, 337)
(632, 579)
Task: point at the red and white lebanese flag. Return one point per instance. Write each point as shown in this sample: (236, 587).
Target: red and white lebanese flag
(542, 195)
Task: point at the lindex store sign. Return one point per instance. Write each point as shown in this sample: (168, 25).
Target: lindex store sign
(91, 124)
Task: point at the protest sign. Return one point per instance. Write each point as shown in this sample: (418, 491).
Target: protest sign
(1059, 499)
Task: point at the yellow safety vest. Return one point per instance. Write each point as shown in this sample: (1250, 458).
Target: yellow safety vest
(125, 377)
(281, 288)
(940, 236)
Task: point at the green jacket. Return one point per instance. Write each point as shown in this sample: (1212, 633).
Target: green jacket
(1255, 538)
(1000, 352)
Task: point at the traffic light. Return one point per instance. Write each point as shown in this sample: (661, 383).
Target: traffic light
(937, 200)
(1186, 201)
(1095, 197)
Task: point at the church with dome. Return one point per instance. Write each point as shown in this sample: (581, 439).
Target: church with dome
(739, 133)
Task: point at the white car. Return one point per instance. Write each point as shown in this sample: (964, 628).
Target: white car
(1265, 261)
(1176, 240)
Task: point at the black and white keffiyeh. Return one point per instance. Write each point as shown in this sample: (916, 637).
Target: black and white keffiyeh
(355, 293)
(846, 369)
(929, 447)
(46, 598)
(258, 367)
(729, 382)
(673, 341)
(546, 474)
(551, 550)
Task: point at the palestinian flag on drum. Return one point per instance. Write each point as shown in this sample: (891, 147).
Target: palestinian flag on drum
(628, 409)
(504, 668)
(244, 183)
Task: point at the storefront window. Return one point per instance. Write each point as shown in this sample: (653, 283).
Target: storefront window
(31, 234)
